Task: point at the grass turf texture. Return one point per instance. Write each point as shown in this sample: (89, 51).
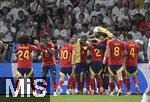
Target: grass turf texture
(74, 98)
(96, 98)
(24, 99)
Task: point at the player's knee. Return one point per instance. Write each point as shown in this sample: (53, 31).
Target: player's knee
(62, 78)
(92, 76)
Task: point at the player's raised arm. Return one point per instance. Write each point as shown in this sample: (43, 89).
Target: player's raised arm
(99, 30)
(5, 50)
(106, 53)
(148, 52)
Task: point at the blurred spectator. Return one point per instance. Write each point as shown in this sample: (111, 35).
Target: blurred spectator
(68, 20)
(5, 11)
(1, 19)
(77, 26)
(58, 34)
(40, 17)
(146, 38)
(7, 35)
(14, 12)
(64, 2)
(93, 23)
(3, 50)
(85, 31)
(7, 32)
(31, 26)
(106, 3)
(86, 15)
(33, 6)
(124, 23)
(97, 10)
(135, 33)
(140, 3)
(45, 31)
(100, 19)
(7, 3)
(132, 9)
(117, 9)
(22, 19)
(108, 21)
(77, 10)
(144, 24)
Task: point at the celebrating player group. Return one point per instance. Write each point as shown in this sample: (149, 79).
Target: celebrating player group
(95, 64)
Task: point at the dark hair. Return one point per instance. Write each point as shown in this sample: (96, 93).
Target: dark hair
(104, 35)
(23, 39)
(129, 36)
(1, 12)
(81, 14)
(20, 11)
(85, 25)
(116, 34)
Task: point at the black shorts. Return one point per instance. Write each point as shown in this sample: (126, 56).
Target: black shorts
(81, 67)
(114, 69)
(96, 68)
(131, 70)
(51, 68)
(66, 71)
(22, 71)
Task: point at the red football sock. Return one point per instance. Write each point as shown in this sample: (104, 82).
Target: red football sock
(78, 83)
(17, 84)
(60, 83)
(135, 81)
(88, 83)
(101, 83)
(92, 84)
(97, 81)
(73, 86)
(120, 82)
(81, 86)
(69, 83)
(54, 85)
(111, 85)
(127, 83)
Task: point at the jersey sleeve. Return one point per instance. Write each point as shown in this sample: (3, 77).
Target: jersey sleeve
(34, 48)
(104, 30)
(149, 43)
(124, 48)
(108, 44)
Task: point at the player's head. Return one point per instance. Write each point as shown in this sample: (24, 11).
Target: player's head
(1, 44)
(67, 40)
(129, 37)
(85, 27)
(115, 35)
(83, 39)
(23, 39)
(96, 30)
(44, 39)
(103, 36)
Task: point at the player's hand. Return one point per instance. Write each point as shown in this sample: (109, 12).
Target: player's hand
(6, 46)
(149, 65)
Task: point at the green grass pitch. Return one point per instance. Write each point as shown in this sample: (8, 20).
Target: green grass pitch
(74, 98)
(96, 98)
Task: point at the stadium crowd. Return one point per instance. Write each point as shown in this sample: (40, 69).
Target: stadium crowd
(60, 19)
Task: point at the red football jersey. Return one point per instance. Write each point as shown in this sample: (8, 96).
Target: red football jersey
(116, 52)
(47, 59)
(96, 54)
(84, 49)
(132, 53)
(65, 56)
(24, 59)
